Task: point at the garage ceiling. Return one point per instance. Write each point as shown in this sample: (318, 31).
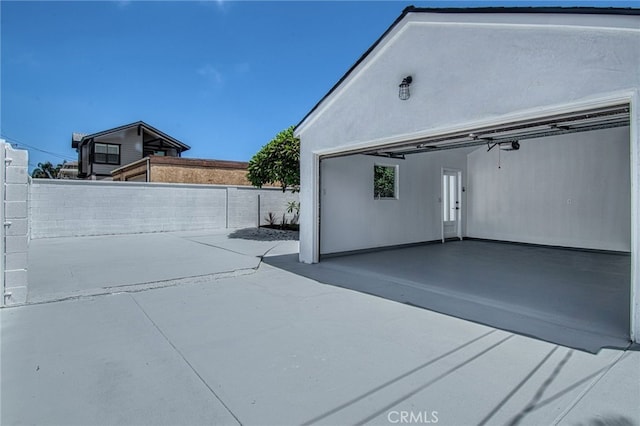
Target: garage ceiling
(515, 131)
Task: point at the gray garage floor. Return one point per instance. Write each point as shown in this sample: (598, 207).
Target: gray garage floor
(575, 298)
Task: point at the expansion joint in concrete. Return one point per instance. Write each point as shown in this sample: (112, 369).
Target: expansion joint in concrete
(137, 288)
(591, 385)
(186, 361)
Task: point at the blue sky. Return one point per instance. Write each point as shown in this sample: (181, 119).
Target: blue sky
(223, 77)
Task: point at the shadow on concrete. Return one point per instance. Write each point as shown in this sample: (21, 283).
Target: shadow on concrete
(537, 397)
(431, 382)
(264, 234)
(524, 381)
(401, 377)
(573, 298)
(612, 421)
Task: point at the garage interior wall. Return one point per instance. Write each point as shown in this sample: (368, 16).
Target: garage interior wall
(571, 190)
(351, 219)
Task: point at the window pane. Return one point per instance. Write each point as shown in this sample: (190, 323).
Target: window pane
(452, 198)
(384, 181)
(106, 153)
(445, 198)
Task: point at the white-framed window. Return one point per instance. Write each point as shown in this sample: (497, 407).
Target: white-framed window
(385, 182)
(106, 153)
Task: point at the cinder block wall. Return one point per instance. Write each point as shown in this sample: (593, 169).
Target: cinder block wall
(275, 201)
(244, 210)
(64, 208)
(15, 225)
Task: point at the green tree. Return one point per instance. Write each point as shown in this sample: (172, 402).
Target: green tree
(277, 163)
(46, 171)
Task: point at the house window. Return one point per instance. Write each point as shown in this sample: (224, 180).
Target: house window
(385, 182)
(106, 153)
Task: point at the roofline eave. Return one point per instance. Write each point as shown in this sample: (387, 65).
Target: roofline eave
(180, 145)
(479, 10)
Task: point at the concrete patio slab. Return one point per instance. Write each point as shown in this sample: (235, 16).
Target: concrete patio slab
(288, 350)
(69, 267)
(275, 347)
(612, 400)
(97, 362)
(339, 357)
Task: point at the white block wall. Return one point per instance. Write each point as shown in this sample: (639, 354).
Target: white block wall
(275, 201)
(15, 226)
(64, 208)
(243, 206)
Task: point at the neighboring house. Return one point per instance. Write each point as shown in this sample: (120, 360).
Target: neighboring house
(69, 170)
(184, 170)
(102, 152)
(441, 103)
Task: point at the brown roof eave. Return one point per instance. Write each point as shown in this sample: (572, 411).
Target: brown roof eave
(198, 162)
(171, 140)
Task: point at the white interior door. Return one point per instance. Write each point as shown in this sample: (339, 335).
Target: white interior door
(451, 204)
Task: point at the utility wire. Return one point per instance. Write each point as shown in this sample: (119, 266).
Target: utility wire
(17, 142)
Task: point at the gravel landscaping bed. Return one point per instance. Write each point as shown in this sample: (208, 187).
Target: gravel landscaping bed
(265, 234)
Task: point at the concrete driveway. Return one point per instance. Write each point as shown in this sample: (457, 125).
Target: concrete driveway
(62, 268)
(271, 347)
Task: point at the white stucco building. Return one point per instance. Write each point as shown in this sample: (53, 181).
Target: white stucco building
(562, 84)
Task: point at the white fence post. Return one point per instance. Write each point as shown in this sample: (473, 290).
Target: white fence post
(15, 224)
(3, 174)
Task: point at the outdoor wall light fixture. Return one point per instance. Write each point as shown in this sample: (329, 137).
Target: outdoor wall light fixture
(403, 92)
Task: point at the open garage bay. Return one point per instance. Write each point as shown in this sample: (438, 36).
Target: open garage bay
(571, 297)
